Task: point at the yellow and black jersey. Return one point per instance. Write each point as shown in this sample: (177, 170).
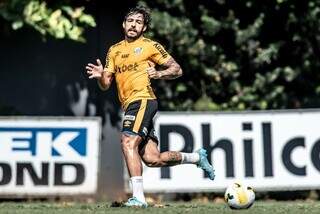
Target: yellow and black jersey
(129, 62)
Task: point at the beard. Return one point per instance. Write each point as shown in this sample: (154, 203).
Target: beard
(133, 37)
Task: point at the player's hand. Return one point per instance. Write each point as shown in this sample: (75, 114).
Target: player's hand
(95, 71)
(153, 73)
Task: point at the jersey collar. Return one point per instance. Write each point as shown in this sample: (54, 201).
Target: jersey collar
(135, 41)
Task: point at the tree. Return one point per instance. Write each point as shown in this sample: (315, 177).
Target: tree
(56, 19)
(240, 55)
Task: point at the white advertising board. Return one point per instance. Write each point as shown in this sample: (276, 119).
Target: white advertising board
(49, 156)
(267, 150)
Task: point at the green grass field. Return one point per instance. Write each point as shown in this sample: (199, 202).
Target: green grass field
(168, 208)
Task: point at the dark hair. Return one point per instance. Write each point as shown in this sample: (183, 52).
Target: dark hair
(142, 10)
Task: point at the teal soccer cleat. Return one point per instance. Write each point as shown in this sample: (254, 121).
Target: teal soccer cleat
(204, 163)
(134, 202)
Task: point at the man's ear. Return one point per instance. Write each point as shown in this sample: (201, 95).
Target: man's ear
(123, 25)
(144, 28)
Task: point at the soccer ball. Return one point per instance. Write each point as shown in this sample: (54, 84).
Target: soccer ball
(239, 196)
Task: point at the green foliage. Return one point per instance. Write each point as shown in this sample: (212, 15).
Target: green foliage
(61, 22)
(239, 55)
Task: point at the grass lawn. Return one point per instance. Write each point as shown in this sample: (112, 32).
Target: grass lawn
(168, 208)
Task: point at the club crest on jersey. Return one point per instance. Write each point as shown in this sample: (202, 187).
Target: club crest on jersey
(138, 50)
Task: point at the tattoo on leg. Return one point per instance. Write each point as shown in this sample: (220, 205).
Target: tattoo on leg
(174, 158)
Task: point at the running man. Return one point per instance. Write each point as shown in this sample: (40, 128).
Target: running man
(131, 62)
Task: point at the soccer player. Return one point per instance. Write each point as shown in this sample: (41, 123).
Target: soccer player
(131, 62)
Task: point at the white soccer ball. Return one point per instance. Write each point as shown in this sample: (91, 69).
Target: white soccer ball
(239, 196)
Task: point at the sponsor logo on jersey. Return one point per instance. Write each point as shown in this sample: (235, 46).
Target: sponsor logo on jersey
(123, 56)
(129, 117)
(124, 67)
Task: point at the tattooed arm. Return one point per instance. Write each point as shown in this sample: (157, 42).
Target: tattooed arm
(172, 70)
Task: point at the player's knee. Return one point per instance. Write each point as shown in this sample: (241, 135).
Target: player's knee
(128, 144)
